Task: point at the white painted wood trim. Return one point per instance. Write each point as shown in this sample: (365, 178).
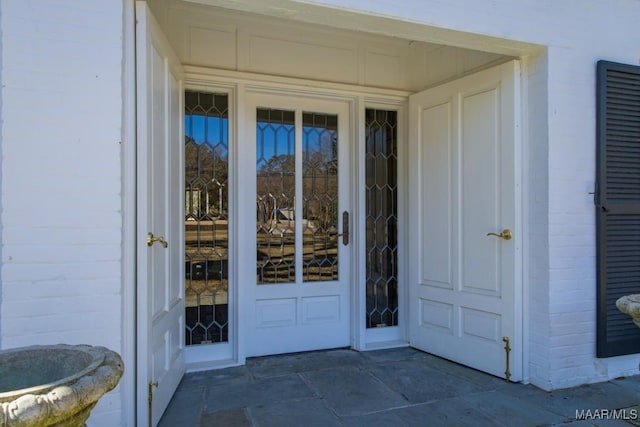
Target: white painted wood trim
(142, 339)
(515, 67)
(129, 260)
(524, 173)
(359, 306)
(203, 75)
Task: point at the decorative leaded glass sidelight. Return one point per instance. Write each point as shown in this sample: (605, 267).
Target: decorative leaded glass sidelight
(381, 217)
(275, 196)
(320, 197)
(206, 217)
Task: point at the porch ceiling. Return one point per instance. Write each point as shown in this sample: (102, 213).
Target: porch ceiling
(293, 39)
(374, 24)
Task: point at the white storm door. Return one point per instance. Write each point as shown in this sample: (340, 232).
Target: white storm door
(160, 204)
(465, 284)
(295, 277)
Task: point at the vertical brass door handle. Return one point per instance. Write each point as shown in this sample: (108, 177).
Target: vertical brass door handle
(505, 234)
(151, 239)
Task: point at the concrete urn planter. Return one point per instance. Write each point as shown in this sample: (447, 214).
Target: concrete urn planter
(55, 385)
(630, 304)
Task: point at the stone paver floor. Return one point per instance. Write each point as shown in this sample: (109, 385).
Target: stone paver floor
(395, 387)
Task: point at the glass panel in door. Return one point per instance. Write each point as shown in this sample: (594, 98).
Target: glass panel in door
(275, 196)
(277, 213)
(319, 197)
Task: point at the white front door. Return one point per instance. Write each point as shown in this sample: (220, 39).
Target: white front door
(465, 274)
(160, 293)
(294, 207)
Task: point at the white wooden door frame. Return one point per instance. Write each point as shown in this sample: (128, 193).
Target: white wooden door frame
(360, 98)
(310, 310)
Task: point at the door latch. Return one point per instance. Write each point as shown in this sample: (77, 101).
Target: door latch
(151, 239)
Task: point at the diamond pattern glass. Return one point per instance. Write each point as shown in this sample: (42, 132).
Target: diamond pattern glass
(206, 217)
(275, 198)
(381, 217)
(320, 197)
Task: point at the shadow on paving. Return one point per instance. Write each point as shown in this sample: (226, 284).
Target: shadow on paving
(394, 387)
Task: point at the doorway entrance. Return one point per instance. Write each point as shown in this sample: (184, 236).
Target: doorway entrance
(294, 208)
(295, 246)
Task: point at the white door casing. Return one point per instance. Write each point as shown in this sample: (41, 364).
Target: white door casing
(297, 316)
(160, 293)
(464, 165)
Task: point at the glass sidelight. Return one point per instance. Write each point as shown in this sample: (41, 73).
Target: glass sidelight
(288, 170)
(381, 189)
(206, 217)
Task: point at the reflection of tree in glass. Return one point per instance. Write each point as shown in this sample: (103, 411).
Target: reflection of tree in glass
(320, 177)
(320, 197)
(206, 226)
(206, 172)
(276, 186)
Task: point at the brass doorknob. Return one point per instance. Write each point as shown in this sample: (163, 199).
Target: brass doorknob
(151, 239)
(505, 234)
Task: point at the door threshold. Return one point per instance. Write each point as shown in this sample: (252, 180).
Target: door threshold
(211, 365)
(380, 345)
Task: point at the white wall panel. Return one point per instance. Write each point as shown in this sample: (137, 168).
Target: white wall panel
(437, 224)
(212, 47)
(309, 59)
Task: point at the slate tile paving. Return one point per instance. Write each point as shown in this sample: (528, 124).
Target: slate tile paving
(393, 387)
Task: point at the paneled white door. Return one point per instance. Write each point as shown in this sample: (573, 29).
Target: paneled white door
(294, 207)
(465, 269)
(160, 205)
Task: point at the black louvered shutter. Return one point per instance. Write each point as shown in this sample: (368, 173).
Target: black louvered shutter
(617, 204)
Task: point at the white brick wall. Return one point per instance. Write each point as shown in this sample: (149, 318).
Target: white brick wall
(61, 187)
(572, 240)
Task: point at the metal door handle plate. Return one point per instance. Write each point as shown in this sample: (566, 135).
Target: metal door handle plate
(505, 234)
(345, 228)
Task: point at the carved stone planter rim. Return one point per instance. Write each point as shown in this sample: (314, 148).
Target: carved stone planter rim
(97, 359)
(630, 304)
(67, 401)
(632, 298)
